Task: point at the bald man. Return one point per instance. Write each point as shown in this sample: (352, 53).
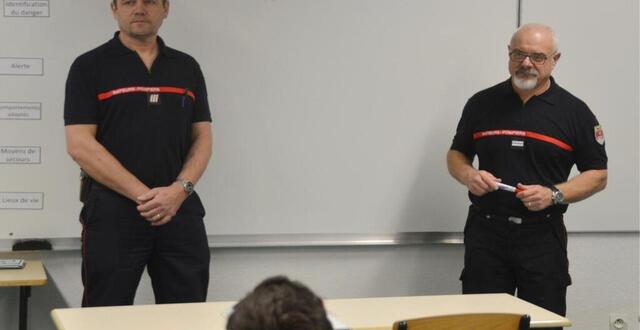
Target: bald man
(527, 133)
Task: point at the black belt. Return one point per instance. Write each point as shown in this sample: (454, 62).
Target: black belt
(518, 219)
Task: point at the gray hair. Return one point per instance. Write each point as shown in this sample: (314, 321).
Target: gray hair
(539, 26)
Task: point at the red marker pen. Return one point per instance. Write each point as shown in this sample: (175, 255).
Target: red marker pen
(507, 187)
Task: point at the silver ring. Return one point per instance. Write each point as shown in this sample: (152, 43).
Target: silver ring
(528, 204)
(159, 215)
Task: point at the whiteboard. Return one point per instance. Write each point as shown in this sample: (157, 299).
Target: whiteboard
(329, 116)
(599, 64)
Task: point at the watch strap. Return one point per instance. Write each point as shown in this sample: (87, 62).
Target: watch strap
(187, 185)
(557, 197)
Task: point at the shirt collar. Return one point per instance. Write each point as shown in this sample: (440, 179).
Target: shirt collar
(549, 96)
(116, 46)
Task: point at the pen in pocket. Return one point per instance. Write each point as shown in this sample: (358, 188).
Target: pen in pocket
(184, 96)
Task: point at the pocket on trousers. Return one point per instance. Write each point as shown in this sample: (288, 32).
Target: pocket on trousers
(467, 223)
(192, 206)
(87, 213)
(560, 233)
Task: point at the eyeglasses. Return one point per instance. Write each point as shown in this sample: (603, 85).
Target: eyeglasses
(519, 56)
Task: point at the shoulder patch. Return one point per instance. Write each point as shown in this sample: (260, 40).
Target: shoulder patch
(599, 134)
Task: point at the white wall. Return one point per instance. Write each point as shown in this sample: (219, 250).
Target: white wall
(331, 116)
(604, 268)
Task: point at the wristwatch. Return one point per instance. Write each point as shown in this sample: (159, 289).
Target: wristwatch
(557, 197)
(187, 186)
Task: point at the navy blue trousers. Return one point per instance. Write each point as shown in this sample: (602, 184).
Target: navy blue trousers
(528, 258)
(117, 245)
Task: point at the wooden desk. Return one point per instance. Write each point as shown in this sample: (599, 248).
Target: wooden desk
(359, 314)
(31, 275)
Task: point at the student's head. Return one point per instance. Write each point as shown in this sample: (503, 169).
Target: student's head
(279, 304)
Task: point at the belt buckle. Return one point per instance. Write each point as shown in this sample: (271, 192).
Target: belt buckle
(515, 220)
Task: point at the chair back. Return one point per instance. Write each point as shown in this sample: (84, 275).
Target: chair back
(484, 321)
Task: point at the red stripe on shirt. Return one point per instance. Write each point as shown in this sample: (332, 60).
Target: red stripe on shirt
(531, 135)
(145, 89)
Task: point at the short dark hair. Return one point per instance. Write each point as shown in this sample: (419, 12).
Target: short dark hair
(279, 304)
(115, 2)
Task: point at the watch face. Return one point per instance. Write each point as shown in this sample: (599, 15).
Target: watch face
(558, 197)
(188, 186)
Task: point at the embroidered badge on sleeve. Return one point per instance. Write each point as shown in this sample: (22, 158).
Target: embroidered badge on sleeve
(599, 134)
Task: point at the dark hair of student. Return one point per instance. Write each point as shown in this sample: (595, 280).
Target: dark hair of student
(279, 304)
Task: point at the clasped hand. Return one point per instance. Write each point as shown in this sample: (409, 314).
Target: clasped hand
(159, 205)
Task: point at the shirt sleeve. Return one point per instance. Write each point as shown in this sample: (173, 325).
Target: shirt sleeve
(590, 144)
(202, 111)
(463, 140)
(81, 100)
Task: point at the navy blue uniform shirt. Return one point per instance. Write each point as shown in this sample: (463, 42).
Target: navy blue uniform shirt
(533, 143)
(144, 117)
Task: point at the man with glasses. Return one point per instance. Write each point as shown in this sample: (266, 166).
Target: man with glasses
(138, 123)
(527, 133)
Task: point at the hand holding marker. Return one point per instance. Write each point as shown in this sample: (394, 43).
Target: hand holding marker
(507, 187)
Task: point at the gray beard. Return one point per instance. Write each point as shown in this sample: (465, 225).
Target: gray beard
(525, 84)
